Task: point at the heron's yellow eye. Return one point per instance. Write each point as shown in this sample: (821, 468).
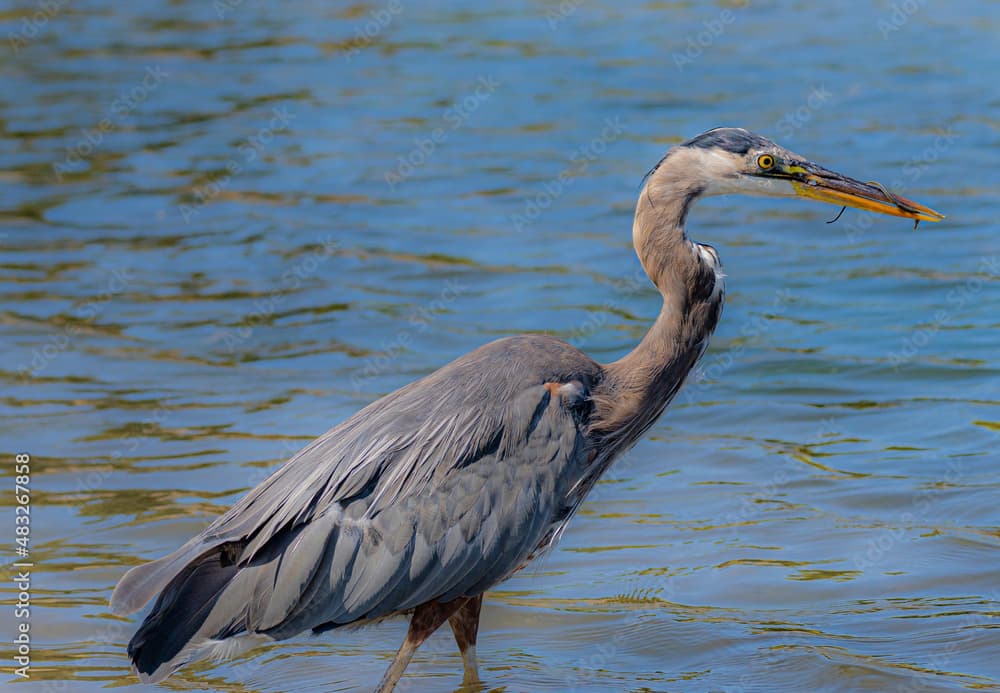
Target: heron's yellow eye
(765, 161)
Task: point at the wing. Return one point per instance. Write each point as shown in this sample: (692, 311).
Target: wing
(458, 536)
(437, 490)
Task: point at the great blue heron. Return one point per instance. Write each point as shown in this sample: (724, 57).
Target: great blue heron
(435, 493)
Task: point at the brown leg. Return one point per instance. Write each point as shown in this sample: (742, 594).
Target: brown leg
(426, 619)
(465, 625)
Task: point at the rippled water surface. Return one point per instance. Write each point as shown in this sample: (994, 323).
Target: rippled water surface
(226, 227)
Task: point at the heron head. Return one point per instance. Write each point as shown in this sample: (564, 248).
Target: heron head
(734, 160)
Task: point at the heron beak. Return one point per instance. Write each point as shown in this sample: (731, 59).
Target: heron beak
(818, 183)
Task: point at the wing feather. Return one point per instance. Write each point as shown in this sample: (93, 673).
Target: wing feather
(438, 490)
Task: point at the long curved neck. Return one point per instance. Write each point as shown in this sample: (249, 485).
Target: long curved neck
(637, 388)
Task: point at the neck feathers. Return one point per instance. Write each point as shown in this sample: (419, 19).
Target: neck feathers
(637, 388)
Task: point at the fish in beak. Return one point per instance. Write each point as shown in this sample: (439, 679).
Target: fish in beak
(817, 183)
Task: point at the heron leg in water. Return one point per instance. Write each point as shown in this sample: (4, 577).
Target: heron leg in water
(465, 625)
(426, 619)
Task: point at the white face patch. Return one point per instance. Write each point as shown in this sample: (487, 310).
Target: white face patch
(723, 174)
(743, 184)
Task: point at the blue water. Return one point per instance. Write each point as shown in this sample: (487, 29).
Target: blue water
(224, 228)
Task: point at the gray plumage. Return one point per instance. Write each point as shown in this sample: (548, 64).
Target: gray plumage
(435, 493)
(441, 489)
(732, 140)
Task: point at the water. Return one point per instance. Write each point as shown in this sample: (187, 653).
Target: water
(226, 228)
